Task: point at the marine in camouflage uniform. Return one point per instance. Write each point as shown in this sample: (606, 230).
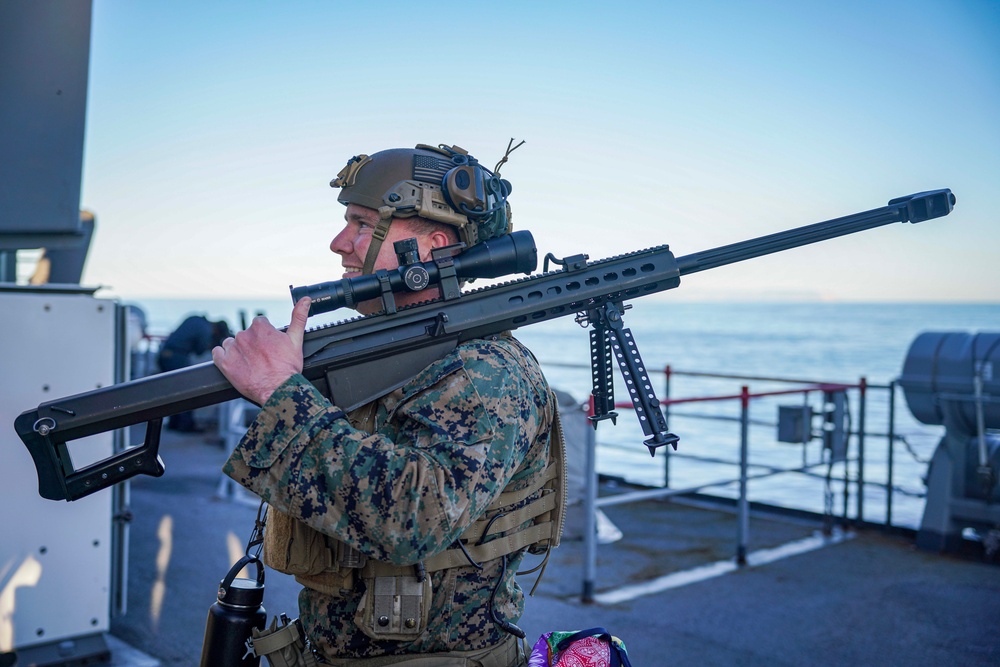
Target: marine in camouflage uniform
(444, 446)
(439, 481)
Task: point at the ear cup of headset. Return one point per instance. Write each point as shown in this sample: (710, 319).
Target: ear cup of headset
(465, 189)
(477, 193)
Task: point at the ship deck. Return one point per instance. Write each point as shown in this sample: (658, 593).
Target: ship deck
(669, 587)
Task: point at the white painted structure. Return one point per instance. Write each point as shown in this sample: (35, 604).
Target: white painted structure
(61, 563)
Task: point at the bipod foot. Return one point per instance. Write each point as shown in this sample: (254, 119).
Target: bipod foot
(659, 440)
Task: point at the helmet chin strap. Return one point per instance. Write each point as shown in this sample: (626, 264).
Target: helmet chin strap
(378, 236)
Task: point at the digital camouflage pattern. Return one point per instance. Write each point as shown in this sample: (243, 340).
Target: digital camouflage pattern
(444, 446)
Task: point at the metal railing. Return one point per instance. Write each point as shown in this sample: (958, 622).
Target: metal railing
(745, 397)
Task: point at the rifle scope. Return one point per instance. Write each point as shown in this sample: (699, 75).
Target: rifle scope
(511, 253)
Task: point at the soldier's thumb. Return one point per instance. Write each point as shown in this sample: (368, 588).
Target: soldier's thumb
(297, 327)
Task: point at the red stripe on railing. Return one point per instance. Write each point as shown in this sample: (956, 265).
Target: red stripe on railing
(742, 396)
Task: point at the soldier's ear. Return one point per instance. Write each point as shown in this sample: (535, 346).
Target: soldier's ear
(439, 239)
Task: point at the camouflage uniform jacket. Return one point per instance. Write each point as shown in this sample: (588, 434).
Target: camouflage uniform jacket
(445, 444)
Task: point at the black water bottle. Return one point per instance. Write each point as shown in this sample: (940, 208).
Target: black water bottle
(233, 617)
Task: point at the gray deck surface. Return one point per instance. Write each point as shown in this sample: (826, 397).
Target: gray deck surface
(869, 600)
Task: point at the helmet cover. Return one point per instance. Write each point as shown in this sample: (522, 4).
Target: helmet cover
(442, 183)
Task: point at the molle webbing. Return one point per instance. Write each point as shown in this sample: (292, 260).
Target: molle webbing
(510, 520)
(547, 513)
(509, 652)
(339, 556)
(479, 551)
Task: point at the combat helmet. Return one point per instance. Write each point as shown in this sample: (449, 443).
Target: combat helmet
(441, 183)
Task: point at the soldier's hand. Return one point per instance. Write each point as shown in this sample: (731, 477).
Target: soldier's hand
(259, 360)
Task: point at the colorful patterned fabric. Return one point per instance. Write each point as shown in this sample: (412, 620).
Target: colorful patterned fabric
(585, 648)
(444, 446)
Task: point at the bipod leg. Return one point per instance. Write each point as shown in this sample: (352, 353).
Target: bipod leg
(600, 368)
(640, 388)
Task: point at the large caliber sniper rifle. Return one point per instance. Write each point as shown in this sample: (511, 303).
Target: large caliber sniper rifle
(355, 361)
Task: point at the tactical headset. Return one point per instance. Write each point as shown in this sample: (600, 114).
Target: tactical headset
(443, 183)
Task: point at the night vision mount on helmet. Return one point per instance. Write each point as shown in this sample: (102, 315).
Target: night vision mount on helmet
(440, 183)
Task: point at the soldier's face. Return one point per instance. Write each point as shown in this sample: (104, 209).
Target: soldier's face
(354, 239)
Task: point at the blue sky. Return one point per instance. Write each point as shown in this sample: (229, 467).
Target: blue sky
(213, 131)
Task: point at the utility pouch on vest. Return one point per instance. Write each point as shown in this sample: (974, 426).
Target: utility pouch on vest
(283, 646)
(317, 560)
(394, 607)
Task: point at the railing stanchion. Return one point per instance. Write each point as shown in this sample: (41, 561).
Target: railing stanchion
(806, 428)
(590, 509)
(743, 524)
(863, 402)
(891, 453)
(845, 520)
(666, 420)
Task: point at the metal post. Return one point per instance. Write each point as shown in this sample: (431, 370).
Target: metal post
(666, 420)
(590, 510)
(743, 524)
(892, 447)
(847, 462)
(863, 401)
(8, 266)
(847, 481)
(806, 428)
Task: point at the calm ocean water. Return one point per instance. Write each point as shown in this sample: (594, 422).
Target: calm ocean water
(829, 342)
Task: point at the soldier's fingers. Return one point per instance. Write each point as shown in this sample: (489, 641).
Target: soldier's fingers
(260, 322)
